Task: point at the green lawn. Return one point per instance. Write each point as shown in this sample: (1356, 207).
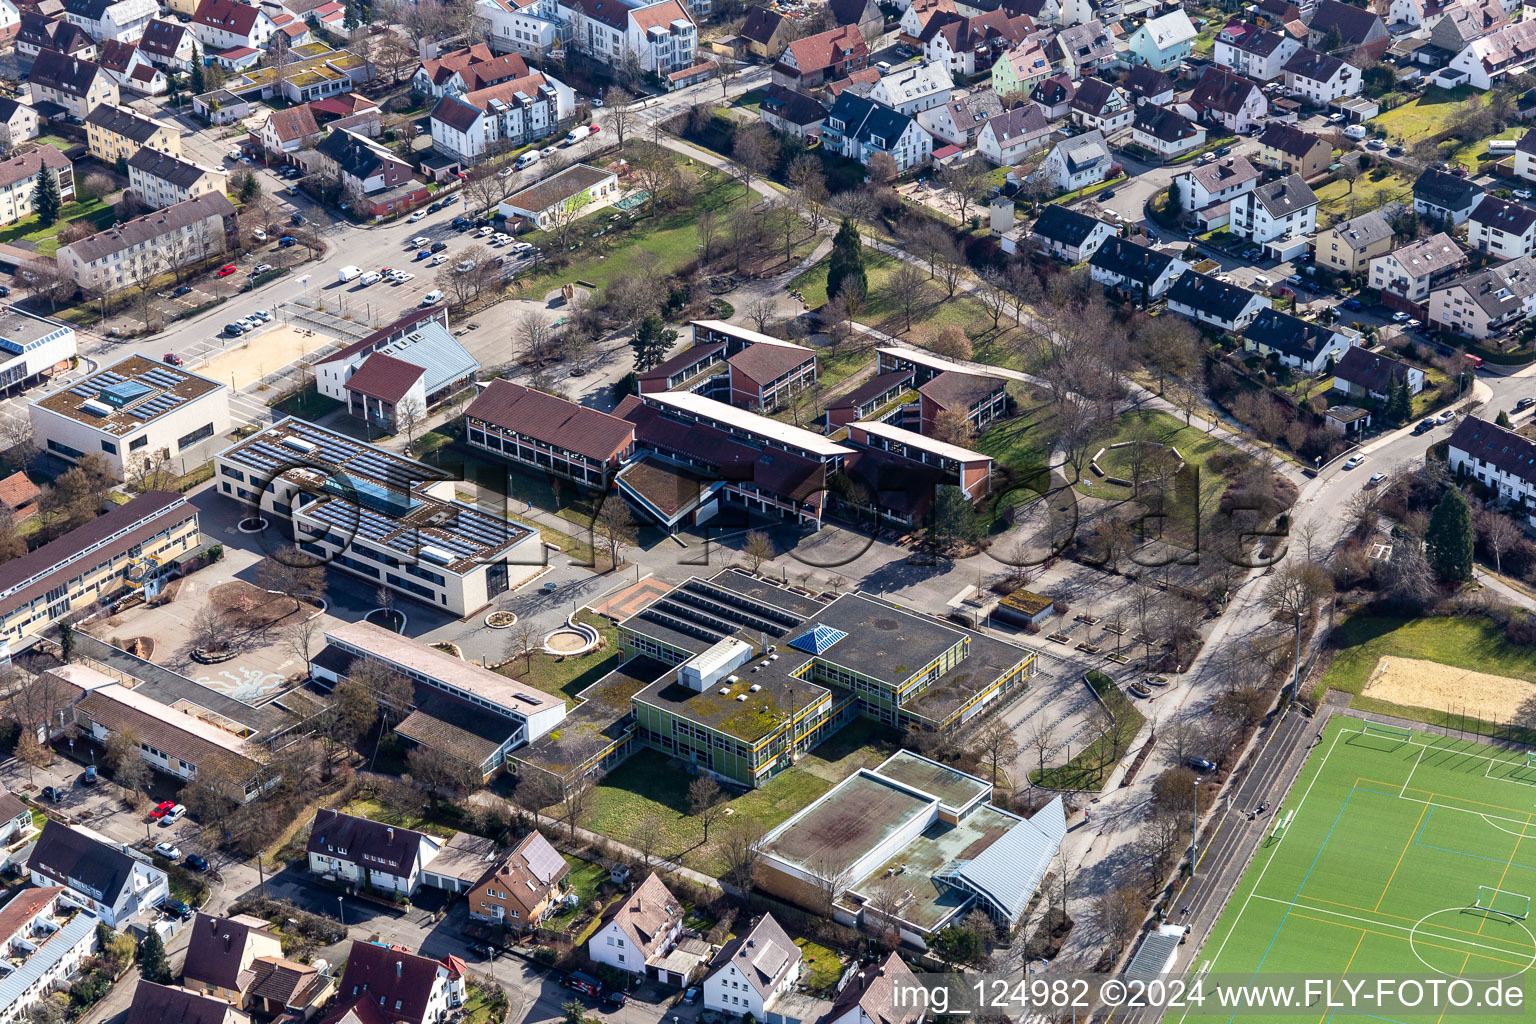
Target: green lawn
(1474, 153)
(31, 229)
(820, 968)
(586, 881)
(652, 781)
(1193, 444)
(1336, 201)
(479, 1008)
(1390, 851)
(1022, 444)
(1088, 769)
(1426, 115)
(374, 810)
(309, 404)
(570, 675)
(61, 144)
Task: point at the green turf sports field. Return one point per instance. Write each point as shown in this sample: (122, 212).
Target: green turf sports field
(1379, 868)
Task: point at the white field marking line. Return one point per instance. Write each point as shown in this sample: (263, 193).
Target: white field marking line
(1465, 810)
(1411, 771)
(1501, 828)
(1273, 850)
(1294, 905)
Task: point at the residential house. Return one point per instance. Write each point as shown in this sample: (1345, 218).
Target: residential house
(1163, 42)
(960, 121)
(763, 375)
(19, 177)
(917, 15)
(1165, 132)
(169, 45)
(1525, 157)
(1288, 149)
(10, 19)
(79, 86)
(980, 399)
(534, 28)
(1319, 78)
(575, 188)
(1008, 138)
(1020, 68)
(1100, 105)
(18, 123)
(472, 126)
(1444, 196)
(362, 166)
(1405, 276)
(1081, 50)
(1349, 246)
(1502, 228)
(1303, 345)
(45, 940)
(1203, 298)
(870, 399)
(1362, 374)
(117, 133)
(858, 128)
(964, 44)
(228, 24)
(123, 21)
(793, 113)
(18, 499)
(1488, 302)
(1142, 272)
(1284, 208)
(1502, 459)
(1077, 162)
(1228, 99)
(520, 887)
(914, 87)
(863, 15)
(824, 57)
(98, 874)
(639, 930)
(1052, 95)
(220, 954)
(1148, 85)
(871, 996)
(466, 70)
(1360, 29)
(1068, 235)
(131, 69)
(1252, 51)
(36, 33)
(288, 131)
(387, 985)
(1403, 15)
(1208, 189)
(1507, 51)
(766, 32)
(160, 180)
(751, 972)
(1460, 23)
(363, 852)
(172, 1004)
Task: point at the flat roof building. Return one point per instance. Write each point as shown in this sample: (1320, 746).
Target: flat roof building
(32, 349)
(133, 414)
(378, 515)
(969, 470)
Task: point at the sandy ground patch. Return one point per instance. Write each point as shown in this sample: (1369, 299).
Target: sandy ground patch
(1429, 684)
(263, 353)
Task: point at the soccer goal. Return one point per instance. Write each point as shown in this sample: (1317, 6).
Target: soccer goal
(1394, 732)
(1503, 902)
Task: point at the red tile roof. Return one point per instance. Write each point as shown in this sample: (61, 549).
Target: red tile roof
(384, 377)
(765, 363)
(553, 420)
(821, 51)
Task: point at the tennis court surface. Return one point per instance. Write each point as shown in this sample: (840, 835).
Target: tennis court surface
(1396, 853)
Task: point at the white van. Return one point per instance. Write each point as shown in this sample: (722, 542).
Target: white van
(528, 159)
(372, 277)
(578, 133)
(1262, 283)
(1354, 131)
(349, 273)
(432, 298)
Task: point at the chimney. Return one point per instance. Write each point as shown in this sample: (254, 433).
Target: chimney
(213, 922)
(399, 968)
(226, 943)
(391, 833)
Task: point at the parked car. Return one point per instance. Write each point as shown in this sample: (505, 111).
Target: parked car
(161, 809)
(226, 270)
(172, 358)
(481, 949)
(460, 222)
(1446, 417)
(176, 908)
(419, 242)
(174, 815)
(425, 254)
(1399, 317)
(1425, 426)
(1353, 461)
(464, 266)
(233, 330)
(286, 241)
(1375, 479)
(196, 861)
(260, 268)
(1522, 193)
(432, 298)
(435, 207)
(418, 215)
(168, 850)
(439, 246)
(298, 219)
(53, 793)
(263, 315)
(1353, 304)
(89, 778)
(1203, 765)
(1524, 403)
(372, 277)
(615, 998)
(259, 235)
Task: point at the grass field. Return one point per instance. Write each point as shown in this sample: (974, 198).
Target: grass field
(1426, 115)
(1336, 201)
(1194, 444)
(1390, 845)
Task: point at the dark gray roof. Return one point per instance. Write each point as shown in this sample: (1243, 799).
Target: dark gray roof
(1318, 67)
(161, 38)
(360, 840)
(1363, 230)
(1505, 450)
(181, 173)
(1093, 95)
(1504, 215)
(1126, 259)
(1221, 90)
(1288, 334)
(1146, 82)
(760, 25)
(71, 75)
(1443, 189)
(123, 122)
(1207, 295)
(1500, 291)
(152, 225)
(866, 118)
(1372, 371)
(75, 859)
(1285, 196)
(1068, 227)
(91, 10)
(1163, 124)
(455, 113)
(1356, 25)
(1288, 139)
(792, 107)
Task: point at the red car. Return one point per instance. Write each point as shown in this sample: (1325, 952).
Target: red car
(596, 127)
(226, 270)
(161, 809)
(173, 359)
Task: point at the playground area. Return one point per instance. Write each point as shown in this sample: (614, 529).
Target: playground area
(257, 356)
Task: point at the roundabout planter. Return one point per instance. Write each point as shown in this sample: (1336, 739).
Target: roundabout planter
(212, 657)
(501, 620)
(385, 617)
(251, 525)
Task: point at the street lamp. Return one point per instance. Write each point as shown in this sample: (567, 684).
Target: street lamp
(1194, 833)
(340, 907)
